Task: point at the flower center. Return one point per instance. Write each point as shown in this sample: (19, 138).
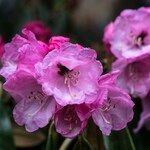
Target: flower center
(71, 76)
(139, 40)
(62, 70)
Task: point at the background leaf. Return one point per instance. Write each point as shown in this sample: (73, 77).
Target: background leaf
(82, 144)
(6, 139)
(94, 136)
(52, 139)
(120, 140)
(24, 139)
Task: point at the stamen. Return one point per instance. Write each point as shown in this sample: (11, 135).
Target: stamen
(105, 120)
(71, 77)
(70, 127)
(139, 40)
(107, 106)
(31, 114)
(76, 121)
(108, 122)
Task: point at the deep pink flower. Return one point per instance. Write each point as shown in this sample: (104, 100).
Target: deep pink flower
(108, 32)
(134, 74)
(56, 41)
(41, 32)
(71, 120)
(1, 46)
(113, 108)
(145, 9)
(145, 116)
(67, 73)
(33, 108)
(129, 34)
(22, 53)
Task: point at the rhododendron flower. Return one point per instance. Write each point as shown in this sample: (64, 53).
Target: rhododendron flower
(41, 32)
(70, 120)
(34, 109)
(107, 36)
(22, 52)
(1, 46)
(134, 74)
(62, 81)
(67, 73)
(129, 35)
(56, 41)
(112, 109)
(145, 116)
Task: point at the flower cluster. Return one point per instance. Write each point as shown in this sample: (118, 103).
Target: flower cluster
(63, 82)
(128, 39)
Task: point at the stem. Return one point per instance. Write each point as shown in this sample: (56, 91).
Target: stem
(65, 144)
(130, 138)
(49, 136)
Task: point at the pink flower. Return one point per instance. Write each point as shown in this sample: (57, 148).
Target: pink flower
(112, 109)
(129, 35)
(56, 41)
(134, 74)
(145, 116)
(145, 9)
(41, 32)
(67, 73)
(1, 46)
(63, 81)
(108, 32)
(34, 109)
(71, 120)
(22, 53)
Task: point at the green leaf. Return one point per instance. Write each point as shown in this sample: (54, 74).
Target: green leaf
(94, 136)
(52, 139)
(82, 144)
(6, 139)
(120, 140)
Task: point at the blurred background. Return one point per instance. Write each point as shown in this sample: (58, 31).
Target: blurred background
(83, 21)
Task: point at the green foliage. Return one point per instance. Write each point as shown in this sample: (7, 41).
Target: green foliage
(120, 140)
(82, 144)
(52, 139)
(6, 140)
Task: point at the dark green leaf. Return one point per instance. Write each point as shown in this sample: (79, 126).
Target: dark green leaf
(82, 144)
(6, 140)
(94, 136)
(120, 140)
(52, 139)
